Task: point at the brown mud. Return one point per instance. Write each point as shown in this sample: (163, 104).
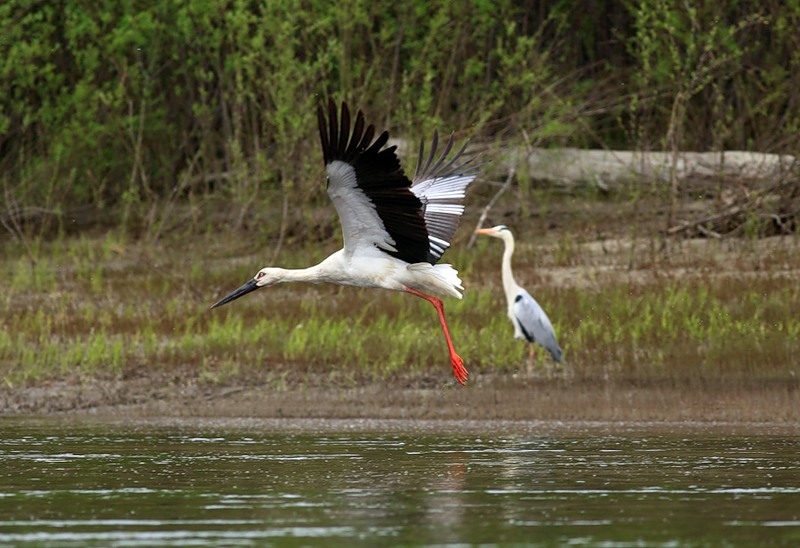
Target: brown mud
(485, 398)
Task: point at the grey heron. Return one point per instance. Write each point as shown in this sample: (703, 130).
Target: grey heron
(395, 230)
(529, 318)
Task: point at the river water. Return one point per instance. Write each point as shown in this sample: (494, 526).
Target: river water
(293, 483)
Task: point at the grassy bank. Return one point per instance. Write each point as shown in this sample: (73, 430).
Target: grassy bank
(634, 311)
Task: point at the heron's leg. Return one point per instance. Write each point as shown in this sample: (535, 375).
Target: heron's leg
(531, 359)
(455, 360)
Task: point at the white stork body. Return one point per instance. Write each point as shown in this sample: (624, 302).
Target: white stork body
(372, 269)
(529, 318)
(394, 229)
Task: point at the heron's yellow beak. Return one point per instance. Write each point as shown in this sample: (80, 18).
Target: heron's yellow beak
(487, 231)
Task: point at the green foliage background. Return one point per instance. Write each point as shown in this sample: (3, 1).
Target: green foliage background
(123, 109)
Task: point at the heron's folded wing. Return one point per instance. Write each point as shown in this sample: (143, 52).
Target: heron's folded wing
(535, 324)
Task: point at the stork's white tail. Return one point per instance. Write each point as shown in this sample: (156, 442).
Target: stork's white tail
(439, 278)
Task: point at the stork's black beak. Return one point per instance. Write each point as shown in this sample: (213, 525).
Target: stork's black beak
(244, 290)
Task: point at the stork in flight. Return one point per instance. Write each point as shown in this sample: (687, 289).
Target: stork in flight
(530, 320)
(395, 230)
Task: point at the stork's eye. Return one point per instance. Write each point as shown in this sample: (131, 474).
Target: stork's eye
(259, 275)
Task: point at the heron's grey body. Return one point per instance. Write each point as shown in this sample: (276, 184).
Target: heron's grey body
(529, 318)
(532, 324)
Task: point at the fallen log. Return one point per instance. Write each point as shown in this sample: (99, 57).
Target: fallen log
(608, 167)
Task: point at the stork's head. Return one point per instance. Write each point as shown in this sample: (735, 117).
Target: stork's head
(499, 231)
(263, 278)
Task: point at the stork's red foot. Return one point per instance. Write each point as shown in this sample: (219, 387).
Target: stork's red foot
(458, 369)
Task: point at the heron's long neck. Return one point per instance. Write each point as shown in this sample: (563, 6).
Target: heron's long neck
(509, 283)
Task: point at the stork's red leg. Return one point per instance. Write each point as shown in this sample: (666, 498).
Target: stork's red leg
(455, 360)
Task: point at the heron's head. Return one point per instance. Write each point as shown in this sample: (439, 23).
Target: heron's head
(499, 231)
(263, 278)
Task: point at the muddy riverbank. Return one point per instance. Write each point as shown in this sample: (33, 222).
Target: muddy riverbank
(486, 397)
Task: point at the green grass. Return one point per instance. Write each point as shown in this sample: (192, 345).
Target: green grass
(108, 307)
(689, 329)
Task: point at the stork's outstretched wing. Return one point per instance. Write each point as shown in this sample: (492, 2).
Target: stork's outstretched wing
(369, 189)
(378, 206)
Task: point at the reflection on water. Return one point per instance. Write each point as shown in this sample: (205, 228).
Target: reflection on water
(67, 484)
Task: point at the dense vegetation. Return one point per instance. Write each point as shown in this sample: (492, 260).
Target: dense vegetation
(122, 112)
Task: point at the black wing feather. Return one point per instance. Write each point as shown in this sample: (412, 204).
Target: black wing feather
(381, 178)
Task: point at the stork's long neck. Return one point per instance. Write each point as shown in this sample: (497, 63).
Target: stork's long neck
(313, 274)
(509, 283)
(324, 272)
